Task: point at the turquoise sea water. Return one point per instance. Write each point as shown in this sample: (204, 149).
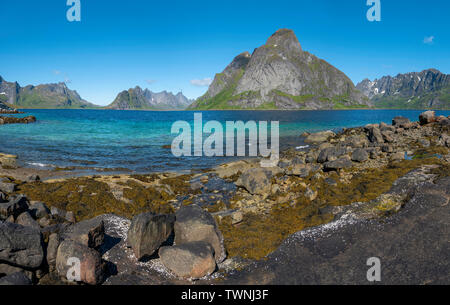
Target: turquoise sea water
(134, 139)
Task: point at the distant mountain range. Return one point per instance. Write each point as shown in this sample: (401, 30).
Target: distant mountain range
(42, 96)
(280, 75)
(140, 99)
(60, 96)
(429, 89)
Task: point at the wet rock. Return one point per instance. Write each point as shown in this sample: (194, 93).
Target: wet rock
(20, 245)
(39, 210)
(256, 181)
(15, 206)
(342, 162)
(319, 137)
(427, 117)
(15, 279)
(360, 155)
(90, 233)
(148, 232)
(25, 219)
(92, 269)
(194, 224)
(191, 260)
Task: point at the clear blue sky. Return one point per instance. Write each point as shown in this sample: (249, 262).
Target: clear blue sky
(164, 45)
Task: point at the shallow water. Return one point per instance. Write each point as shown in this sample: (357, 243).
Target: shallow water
(134, 139)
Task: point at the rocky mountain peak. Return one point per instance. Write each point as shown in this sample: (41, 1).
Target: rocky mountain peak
(285, 39)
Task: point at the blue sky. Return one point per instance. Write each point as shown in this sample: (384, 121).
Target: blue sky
(165, 45)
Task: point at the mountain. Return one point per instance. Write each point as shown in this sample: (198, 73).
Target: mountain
(42, 96)
(138, 99)
(280, 75)
(429, 89)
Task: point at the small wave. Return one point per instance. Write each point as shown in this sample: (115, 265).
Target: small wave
(40, 164)
(302, 147)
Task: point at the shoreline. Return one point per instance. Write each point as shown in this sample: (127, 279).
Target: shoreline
(257, 209)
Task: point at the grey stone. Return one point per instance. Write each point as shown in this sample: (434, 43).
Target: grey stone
(342, 162)
(360, 155)
(148, 232)
(331, 154)
(400, 121)
(92, 269)
(20, 245)
(39, 210)
(256, 181)
(52, 250)
(192, 260)
(194, 224)
(25, 219)
(90, 233)
(15, 206)
(319, 137)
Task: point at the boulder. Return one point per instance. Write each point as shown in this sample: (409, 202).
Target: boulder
(148, 232)
(92, 269)
(20, 245)
(388, 136)
(357, 141)
(39, 210)
(256, 181)
(400, 121)
(14, 207)
(194, 224)
(62, 214)
(90, 233)
(374, 134)
(427, 117)
(6, 186)
(331, 154)
(8, 160)
(25, 219)
(360, 155)
(15, 279)
(6, 269)
(191, 260)
(342, 162)
(33, 178)
(319, 137)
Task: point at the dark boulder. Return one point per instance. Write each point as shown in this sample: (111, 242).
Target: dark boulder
(148, 232)
(256, 181)
(400, 121)
(15, 279)
(427, 117)
(25, 219)
(90, 233)
(20, 245)
(342, 162)
(14, 207)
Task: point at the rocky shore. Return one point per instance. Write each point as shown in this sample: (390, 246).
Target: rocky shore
(306, 220)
